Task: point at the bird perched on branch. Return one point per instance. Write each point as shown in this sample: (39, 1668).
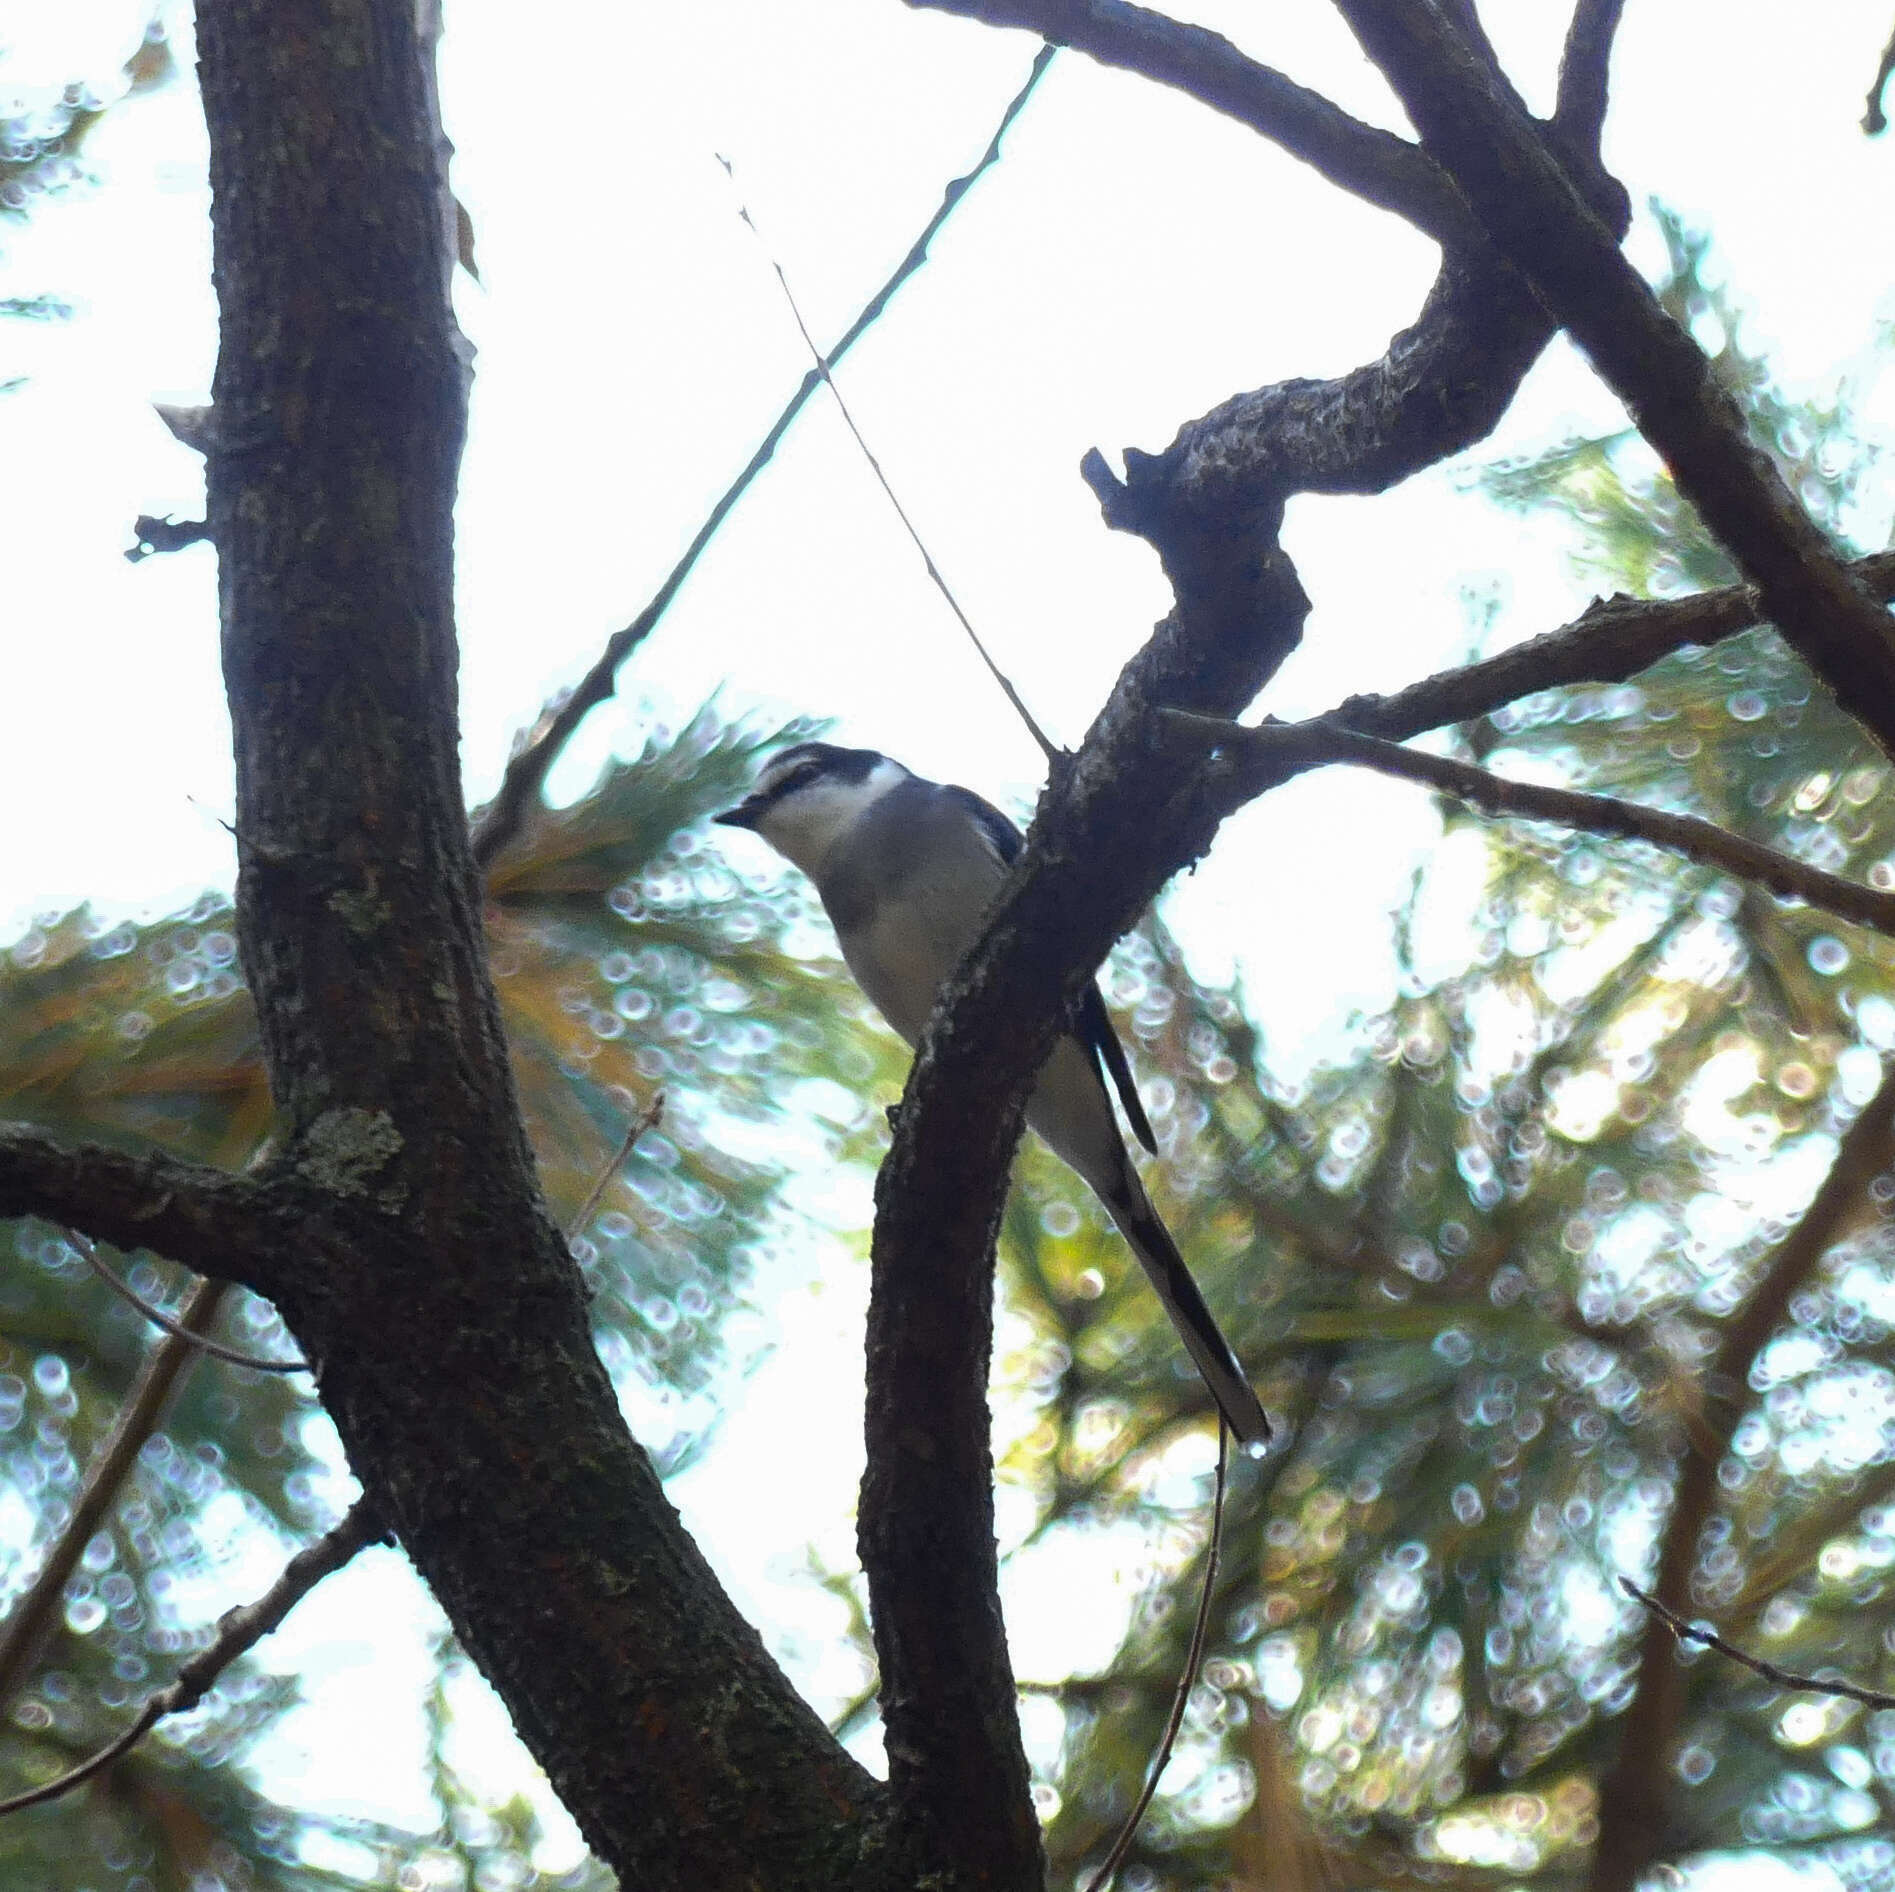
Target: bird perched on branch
(907, 869)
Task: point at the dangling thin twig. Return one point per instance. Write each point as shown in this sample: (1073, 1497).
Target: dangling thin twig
(1048, 748)
(1186, 1682)
(159, 1318)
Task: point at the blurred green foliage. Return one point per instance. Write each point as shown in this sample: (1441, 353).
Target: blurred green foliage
(629, 960)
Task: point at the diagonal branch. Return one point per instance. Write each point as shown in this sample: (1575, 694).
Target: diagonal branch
(26, 1625)
(500, 821)
(234, 1228)
(237, 1634)
(1374, 165)
(1261, 756)
(1633, 1795)
(1687, 1631)
(1613, 639)
(1537, 217)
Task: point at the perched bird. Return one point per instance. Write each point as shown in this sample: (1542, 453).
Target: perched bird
(906, 869)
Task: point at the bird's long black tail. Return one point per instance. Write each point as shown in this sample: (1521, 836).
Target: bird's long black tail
(1204, 1340)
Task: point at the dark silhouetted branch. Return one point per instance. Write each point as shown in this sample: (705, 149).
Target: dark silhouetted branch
(164, 535)
(1614, 639)
(500, 820)
(1770, 1671)
(239, 1632)
(230, 1227)
(1584, 66)
(1374, 165)
(1260, 757)
(1535, 213)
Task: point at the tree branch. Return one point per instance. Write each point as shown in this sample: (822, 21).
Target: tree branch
(1374, 165)
(1633, 1795)
(500, 820)
(1874, 120)
(1534, 212)
(1116, 824)
(233, 1228)
(1261, 756)
(1584, 67)
(1686, 1631)
(137, 1420)
(1615, 638)
(237, 1634)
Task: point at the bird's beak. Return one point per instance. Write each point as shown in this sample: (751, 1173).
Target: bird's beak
(745, 815)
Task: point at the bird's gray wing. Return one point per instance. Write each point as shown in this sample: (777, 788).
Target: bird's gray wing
(1093, 1025)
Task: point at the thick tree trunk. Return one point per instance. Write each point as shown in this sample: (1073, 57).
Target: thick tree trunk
(448, 1322)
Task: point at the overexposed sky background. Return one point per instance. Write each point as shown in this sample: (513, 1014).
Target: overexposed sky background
(1133, 260)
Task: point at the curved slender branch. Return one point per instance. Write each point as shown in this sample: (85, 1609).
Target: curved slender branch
(500, 820)
(1374, 165)
(256, 1362)
(238, 1633)
(1784, 1678)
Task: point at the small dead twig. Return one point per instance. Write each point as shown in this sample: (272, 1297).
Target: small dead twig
(1048, 748)
(1186, 1682)
(647, 1119)
(1770, 1671)
(258, 1363)
(239, 1631)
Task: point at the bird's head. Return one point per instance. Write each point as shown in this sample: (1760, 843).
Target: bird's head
(809, 796)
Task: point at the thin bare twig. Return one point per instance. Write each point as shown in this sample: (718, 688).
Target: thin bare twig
(647, 1119)
(27, 1626)
(171, 1325)
(1770, 1671)
(1048, 748)
(1186, 1681)
(500, 821)
(239, 1632)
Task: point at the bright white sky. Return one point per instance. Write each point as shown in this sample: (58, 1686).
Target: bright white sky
(1133, 260)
